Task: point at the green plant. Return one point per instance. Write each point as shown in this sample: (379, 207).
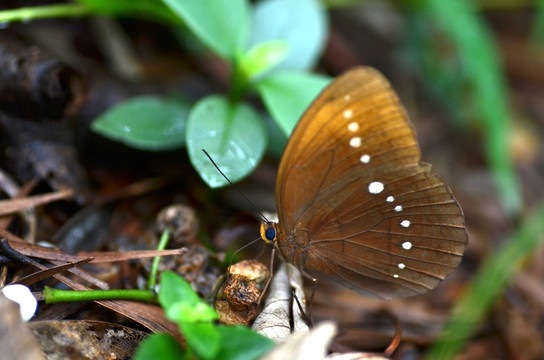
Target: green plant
(284, 40)
(204, 339)
(195, 318)
(269, 46)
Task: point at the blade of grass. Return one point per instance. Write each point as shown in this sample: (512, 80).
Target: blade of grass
(44, 12)
(163, 242)
(538, 25)
(492, 278)
(53, 296)
(460, 21)
(138, 9)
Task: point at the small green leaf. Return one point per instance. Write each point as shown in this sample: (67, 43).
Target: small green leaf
(301, 23)
(262, 57)
(287, 95)
(182, 312)
(221, 25)
(241, 343)
(160, 346)
(203, 338)
(146, 122)
(174, 289)
(233, 134)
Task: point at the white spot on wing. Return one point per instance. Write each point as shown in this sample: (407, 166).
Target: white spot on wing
(353, 126)
(396, 276)
(407, 245)
(347, 98)
(401, 266)
(355, 142)
(348, 114)
(365, 159)
(375, 187)
(390, 199)
(405, 223)
(398, 208)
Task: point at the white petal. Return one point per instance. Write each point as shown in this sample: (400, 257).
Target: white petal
(22, 296)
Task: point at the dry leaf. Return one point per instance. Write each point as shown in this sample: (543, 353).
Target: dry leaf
(274, 321)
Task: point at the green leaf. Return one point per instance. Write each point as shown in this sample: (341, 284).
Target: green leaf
(160, 346)
(262, 57)
(301, 23)
(174, 289)
(221, 25)
(203, 338)
(147, 123)
(233, 134)
(241, 343)
(182, 312)
(287, 95)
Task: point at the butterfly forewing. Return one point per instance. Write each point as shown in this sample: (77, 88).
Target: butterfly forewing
(354, 200)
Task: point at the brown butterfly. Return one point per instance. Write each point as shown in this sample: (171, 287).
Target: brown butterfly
(355, 202)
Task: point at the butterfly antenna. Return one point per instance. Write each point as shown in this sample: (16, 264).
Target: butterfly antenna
(239, 192)
(242, 248)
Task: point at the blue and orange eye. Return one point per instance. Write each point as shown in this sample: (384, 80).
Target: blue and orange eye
(270, 233)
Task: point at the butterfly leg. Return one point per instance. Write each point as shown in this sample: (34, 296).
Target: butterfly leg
(314, 288)
(305, 315)
(265, 288)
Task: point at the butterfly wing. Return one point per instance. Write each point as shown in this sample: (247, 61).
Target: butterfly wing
(354, 200)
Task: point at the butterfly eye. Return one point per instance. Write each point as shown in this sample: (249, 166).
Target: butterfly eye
(270, 233)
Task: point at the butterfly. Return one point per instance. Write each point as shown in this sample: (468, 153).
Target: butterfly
(354, 200)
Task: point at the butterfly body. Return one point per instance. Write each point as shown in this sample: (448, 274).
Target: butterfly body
(356, 203)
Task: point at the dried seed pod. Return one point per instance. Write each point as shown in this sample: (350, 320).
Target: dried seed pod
(237, 301)
(182, 223)
(196, 264)
(253, 270)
